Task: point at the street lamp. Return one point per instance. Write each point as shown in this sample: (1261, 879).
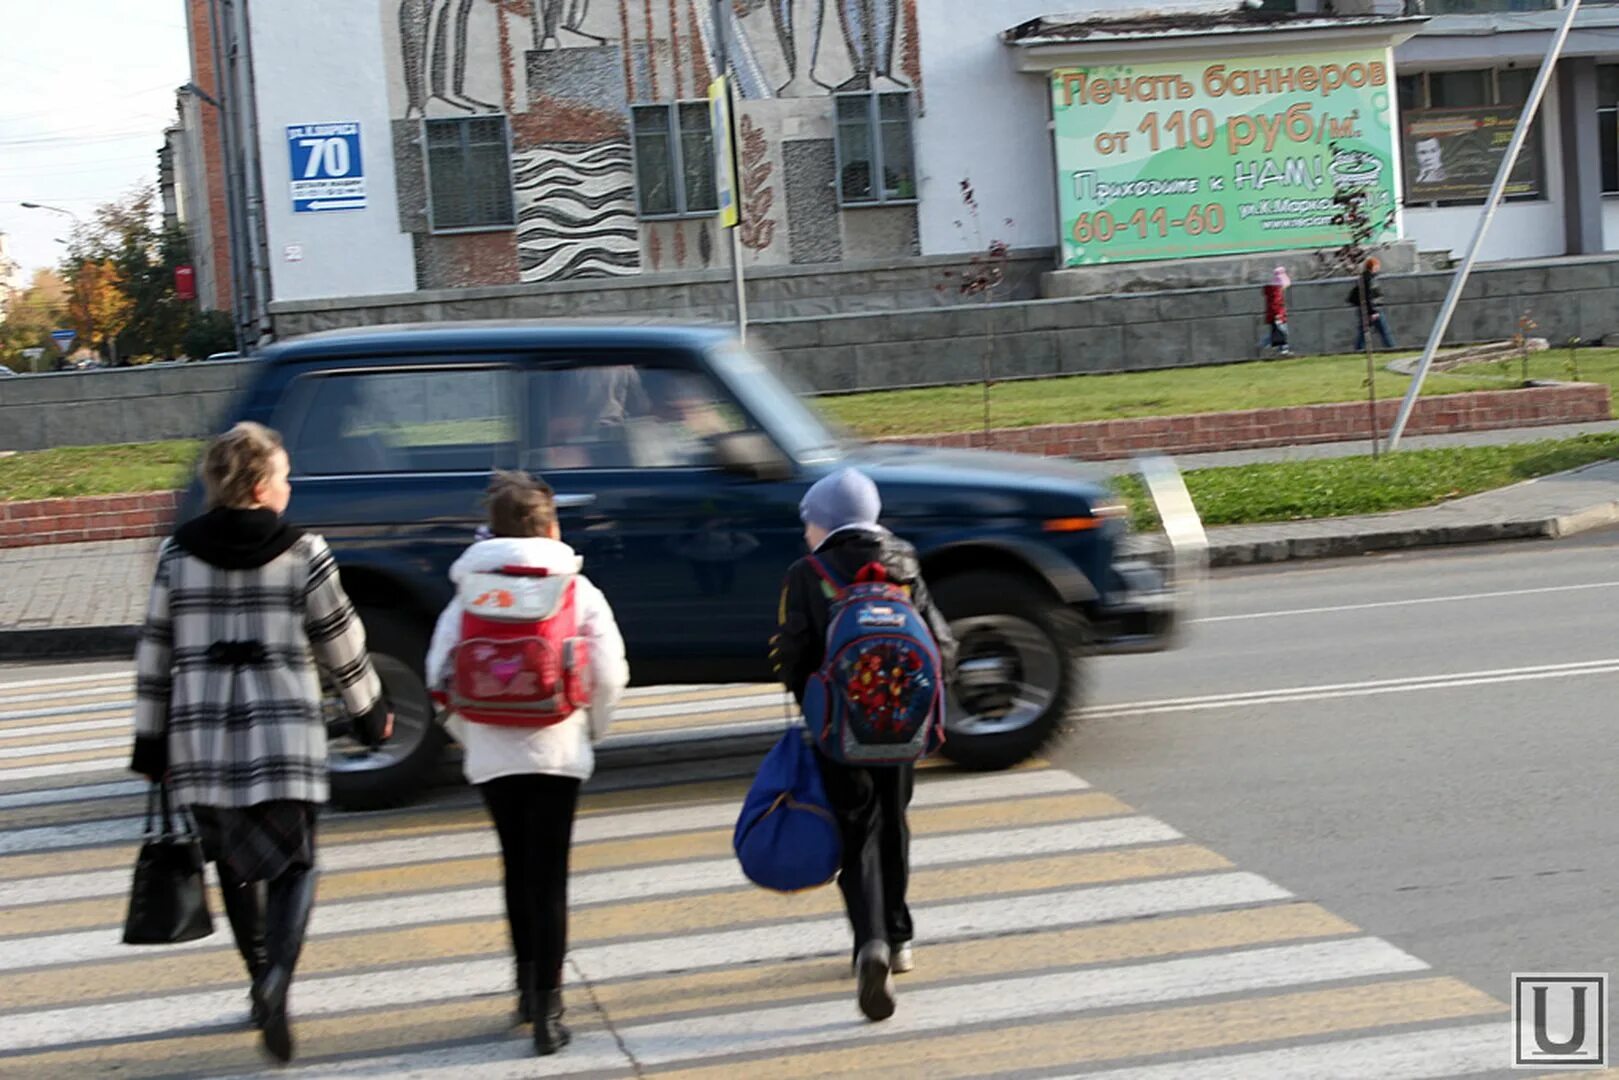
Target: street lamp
(54, 210)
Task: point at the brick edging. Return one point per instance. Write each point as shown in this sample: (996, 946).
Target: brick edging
(1250, 429)
(93, 517)
(131, 517)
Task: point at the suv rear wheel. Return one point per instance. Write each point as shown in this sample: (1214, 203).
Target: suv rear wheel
(1018, 668)
(398, 770)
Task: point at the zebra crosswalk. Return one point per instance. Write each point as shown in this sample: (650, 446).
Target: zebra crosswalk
(1060, 933)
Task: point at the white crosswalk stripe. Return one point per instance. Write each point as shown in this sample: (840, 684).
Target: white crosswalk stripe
(1458, 1052)
(1040, 905)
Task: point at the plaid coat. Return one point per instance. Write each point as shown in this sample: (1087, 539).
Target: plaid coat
(243, 725)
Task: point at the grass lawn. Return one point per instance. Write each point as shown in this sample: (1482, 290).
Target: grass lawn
(1595, 365)
(1333, 487)
(1304, 381)
(97, 470)
(1280, 491)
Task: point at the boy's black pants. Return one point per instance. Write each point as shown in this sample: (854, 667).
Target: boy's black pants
(534, 816)
(870, 802)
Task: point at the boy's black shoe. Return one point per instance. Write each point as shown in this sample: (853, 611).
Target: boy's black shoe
(876, 981)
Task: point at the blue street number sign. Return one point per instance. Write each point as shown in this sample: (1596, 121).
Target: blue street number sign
(327, 170)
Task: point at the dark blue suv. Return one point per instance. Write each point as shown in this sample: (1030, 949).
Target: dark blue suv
(679, 459)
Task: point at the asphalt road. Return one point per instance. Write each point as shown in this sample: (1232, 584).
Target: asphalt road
(1469, 814)
(1301, 845)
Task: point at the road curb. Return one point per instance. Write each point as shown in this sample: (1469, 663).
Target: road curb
(1333, 546)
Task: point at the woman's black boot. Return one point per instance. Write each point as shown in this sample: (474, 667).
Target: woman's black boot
(291, 897)
(525, 993)
(550, 1034)
(244, 907)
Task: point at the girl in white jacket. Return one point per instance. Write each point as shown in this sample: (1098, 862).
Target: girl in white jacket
(529, 777)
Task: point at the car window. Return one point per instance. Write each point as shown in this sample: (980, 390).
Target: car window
(626, 416)
(768, 389)
(433, 420)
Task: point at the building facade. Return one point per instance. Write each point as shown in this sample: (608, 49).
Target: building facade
(1473, 68)
(397, 146)
(561, 140)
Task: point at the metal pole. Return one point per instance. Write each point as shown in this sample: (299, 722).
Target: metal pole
(723, 55)
(1448, 308)
(255, 173)
(736, 230)
(227, 142)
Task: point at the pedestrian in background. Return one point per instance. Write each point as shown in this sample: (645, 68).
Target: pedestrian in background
(228, 701)
(529, 776)
(1367, 299)
(1276, 336)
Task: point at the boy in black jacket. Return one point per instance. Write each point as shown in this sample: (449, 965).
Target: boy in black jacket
(840, 525)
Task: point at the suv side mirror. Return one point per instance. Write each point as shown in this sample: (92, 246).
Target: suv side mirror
(751, 454)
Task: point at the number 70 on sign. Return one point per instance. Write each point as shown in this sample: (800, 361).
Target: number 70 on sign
(328, 156)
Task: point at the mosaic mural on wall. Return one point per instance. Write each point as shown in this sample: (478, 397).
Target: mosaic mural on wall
(566, 73)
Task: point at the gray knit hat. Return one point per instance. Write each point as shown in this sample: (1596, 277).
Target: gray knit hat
(846, 497)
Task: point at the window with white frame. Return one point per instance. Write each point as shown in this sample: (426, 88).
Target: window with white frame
(469, 173)
(1608, 125)
(874, 156)
(674, 160)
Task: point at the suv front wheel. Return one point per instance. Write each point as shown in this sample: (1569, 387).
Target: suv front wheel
(1018, 668)
(398, 770)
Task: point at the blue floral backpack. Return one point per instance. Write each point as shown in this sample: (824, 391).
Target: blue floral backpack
(878, 698)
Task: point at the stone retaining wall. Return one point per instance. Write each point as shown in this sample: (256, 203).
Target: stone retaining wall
(866, 351)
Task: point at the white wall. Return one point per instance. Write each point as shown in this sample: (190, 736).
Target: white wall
(1610, 224)
(321, 62)
(1520, 230)
(985, 121)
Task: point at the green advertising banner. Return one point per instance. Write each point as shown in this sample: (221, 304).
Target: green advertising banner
(1173, 161)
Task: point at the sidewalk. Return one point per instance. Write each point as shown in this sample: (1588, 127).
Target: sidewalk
(85, 598)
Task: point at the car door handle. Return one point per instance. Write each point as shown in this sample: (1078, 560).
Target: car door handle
(568, 502)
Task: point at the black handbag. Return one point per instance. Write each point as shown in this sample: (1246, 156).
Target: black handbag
(168, 898)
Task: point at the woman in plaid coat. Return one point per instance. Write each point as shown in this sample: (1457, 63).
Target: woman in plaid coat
(228, 702)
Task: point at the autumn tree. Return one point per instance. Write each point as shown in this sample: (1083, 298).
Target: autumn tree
(123, 249)
(31, 314)
(97, 306)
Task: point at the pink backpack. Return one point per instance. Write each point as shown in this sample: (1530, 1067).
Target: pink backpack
(521, 661)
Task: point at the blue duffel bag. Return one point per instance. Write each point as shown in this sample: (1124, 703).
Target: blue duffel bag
(787, 835)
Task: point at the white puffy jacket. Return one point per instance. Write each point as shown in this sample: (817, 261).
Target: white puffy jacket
(562, 749)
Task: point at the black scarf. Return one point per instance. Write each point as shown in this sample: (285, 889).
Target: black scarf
(236, 539)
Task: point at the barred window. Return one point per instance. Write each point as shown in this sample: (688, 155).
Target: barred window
(469, 173)
(674, 160)
(874, 154)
